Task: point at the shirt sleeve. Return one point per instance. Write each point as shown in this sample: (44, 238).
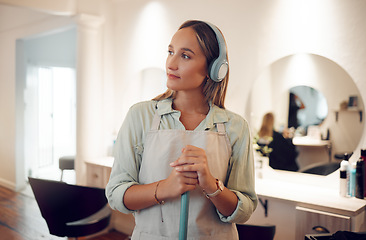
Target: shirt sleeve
(241, 175)
(128, 150)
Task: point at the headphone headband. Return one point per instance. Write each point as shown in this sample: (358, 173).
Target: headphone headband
(219, 67)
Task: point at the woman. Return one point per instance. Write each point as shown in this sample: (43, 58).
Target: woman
(185, 140)
(283, 154)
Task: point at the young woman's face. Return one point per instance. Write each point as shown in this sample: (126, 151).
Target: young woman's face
(186, 64)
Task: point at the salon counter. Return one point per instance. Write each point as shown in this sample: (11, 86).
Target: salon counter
(294, 202)
(298, 203)
(312, 151)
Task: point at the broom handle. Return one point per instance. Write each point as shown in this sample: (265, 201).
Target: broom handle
(184, 207)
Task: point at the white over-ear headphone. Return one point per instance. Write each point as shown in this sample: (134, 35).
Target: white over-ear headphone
(219, 67)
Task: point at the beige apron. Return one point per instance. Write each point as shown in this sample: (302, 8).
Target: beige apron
(162, 221)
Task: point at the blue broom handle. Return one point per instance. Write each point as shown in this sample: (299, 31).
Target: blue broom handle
(184, 207)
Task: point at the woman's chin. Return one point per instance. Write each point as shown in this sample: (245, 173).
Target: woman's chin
(173, 86)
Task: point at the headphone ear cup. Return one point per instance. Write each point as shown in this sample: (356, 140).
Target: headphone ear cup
(218, 69)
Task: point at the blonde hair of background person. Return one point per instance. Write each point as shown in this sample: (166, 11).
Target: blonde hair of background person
(266, 129)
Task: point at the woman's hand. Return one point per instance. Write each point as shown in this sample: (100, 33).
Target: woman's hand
(194, 160)
(177, 183)
(189, 170)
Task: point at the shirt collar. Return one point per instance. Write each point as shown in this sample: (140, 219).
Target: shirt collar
(165, 107)
(215, 115)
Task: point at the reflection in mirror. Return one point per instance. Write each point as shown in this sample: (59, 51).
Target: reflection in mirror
(279, 149)
(307, 107)
(343, 127)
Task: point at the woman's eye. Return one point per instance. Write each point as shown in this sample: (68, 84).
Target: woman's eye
(170, 52)
(185, 56)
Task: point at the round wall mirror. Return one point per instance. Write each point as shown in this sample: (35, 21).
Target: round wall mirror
(308, 75)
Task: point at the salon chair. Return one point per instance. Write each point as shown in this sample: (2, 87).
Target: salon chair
(341, 156)
(71, 210)
(321, 168)
(256, 232)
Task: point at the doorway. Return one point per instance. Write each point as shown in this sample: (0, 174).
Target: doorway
(49, 120)
(46, 93)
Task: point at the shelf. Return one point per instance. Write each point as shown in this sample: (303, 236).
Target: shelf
(348, 110)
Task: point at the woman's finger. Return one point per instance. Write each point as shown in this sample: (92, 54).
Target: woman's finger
(190, 174)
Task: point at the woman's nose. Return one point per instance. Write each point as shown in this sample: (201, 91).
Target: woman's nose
(171, 62)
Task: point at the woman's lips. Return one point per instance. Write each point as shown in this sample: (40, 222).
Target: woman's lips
(172, 76)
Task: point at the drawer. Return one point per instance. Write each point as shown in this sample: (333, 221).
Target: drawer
(307, 220)
(97, 176)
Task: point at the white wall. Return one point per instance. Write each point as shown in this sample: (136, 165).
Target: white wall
(136, 35)
(258, 33)
(57, 48)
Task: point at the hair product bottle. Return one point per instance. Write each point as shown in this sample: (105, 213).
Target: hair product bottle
(344, 179)
(352, 179)
(360, 178)
(363, 156)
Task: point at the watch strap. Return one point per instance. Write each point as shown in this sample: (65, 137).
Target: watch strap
(219, 190)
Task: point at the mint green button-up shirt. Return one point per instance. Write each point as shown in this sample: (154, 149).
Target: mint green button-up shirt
(129, 148)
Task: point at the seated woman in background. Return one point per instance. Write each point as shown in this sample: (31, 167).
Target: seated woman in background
(283, 154)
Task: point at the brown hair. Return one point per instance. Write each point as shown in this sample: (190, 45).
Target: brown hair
(266, 129)
(213, 91)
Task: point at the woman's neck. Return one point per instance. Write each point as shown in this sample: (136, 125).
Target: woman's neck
(191, 104)
(193, 109)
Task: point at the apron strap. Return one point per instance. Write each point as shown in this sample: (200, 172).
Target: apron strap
(220, 128)
(156, 121)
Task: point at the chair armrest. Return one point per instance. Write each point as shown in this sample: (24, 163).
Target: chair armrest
(101, 214)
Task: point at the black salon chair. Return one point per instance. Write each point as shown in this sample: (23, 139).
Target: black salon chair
(71, 210)
(256, 232)
(321, 168)
(344, 155)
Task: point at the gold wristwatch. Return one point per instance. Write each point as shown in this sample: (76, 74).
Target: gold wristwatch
(220, 188)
